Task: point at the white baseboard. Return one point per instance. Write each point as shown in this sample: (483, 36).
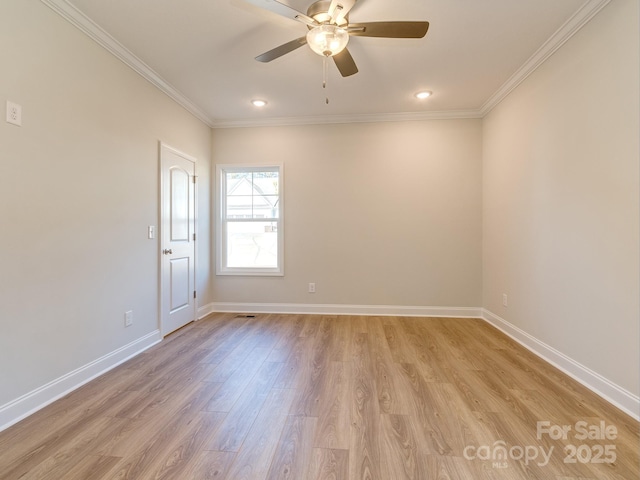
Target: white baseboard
(614, 394)
(205, 310)
(329, 309)
(33, 401)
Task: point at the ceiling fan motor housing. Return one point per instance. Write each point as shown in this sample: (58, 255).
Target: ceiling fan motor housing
(320, 12)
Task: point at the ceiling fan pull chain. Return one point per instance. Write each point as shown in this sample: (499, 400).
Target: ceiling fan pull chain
(325, 74)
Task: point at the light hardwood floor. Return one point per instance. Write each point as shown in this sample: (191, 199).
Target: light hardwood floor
(325, 397)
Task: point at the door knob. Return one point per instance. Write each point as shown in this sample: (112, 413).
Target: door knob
(167, 251)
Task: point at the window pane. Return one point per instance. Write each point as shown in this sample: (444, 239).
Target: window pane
(252, 244)
(266, 183)
(265, 206)
(239, 206)
(239, 183)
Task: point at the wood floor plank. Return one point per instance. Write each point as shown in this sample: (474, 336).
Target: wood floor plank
(84, 468)
(364, 447)
(164, 389)
(455, 468)
(317, 370)
(295, 449)
(329, 464)
(138, 432)
(232, 388)
(254, 459)
(399, 344)
(453, 421)
(287, 339)
(294, 368)
(47, 425)
(44, 443)
(234, 360)
(454, 341)
(399, 449)
(334, 421)
(169, 450)
(235, 426)
(231, 434)
(224, 340)
(185, 447)
(311, 324)
(65, 455)
(321, 397)
(391, 392)
(428, 358)
(210, 466)
(434, 441)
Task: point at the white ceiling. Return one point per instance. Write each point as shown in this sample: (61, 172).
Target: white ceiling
(202, 53)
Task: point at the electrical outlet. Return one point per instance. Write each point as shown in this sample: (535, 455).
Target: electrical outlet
(128, 318)
(312, 288)
(14, 113)
(504, 300)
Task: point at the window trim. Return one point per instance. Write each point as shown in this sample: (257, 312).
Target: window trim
(221, 222)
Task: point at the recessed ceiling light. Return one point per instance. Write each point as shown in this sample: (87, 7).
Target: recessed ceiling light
(258, 103)
(423, 95)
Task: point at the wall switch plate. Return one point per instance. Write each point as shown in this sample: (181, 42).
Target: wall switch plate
(14, 113)
(504, 300)
(151, 232)
(128, 318)
(312, 288)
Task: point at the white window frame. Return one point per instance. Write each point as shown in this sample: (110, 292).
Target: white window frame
(221, 222)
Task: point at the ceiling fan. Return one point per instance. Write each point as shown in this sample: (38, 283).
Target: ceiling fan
(330, 29)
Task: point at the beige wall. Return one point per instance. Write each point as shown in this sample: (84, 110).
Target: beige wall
(78, 187)
(375, 214)
(561, 194)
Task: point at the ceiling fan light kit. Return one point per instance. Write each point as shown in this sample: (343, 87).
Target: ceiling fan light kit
(330, 29)
(327, 40)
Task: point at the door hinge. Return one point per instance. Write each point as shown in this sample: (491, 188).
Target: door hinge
(194, 294)
(194, 179)
(194, 237)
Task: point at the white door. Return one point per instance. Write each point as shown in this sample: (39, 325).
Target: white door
(177, 247)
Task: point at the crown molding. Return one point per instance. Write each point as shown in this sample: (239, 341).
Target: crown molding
(361, 118)
(559, 38)
(95, 32)
(588, 10)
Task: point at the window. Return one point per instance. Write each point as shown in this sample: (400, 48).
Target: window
(249, 215)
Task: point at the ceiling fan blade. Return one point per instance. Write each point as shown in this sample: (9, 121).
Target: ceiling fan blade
(389, 29)
(345, 63)
(284, 10)
(340, 9)
(282, 50)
